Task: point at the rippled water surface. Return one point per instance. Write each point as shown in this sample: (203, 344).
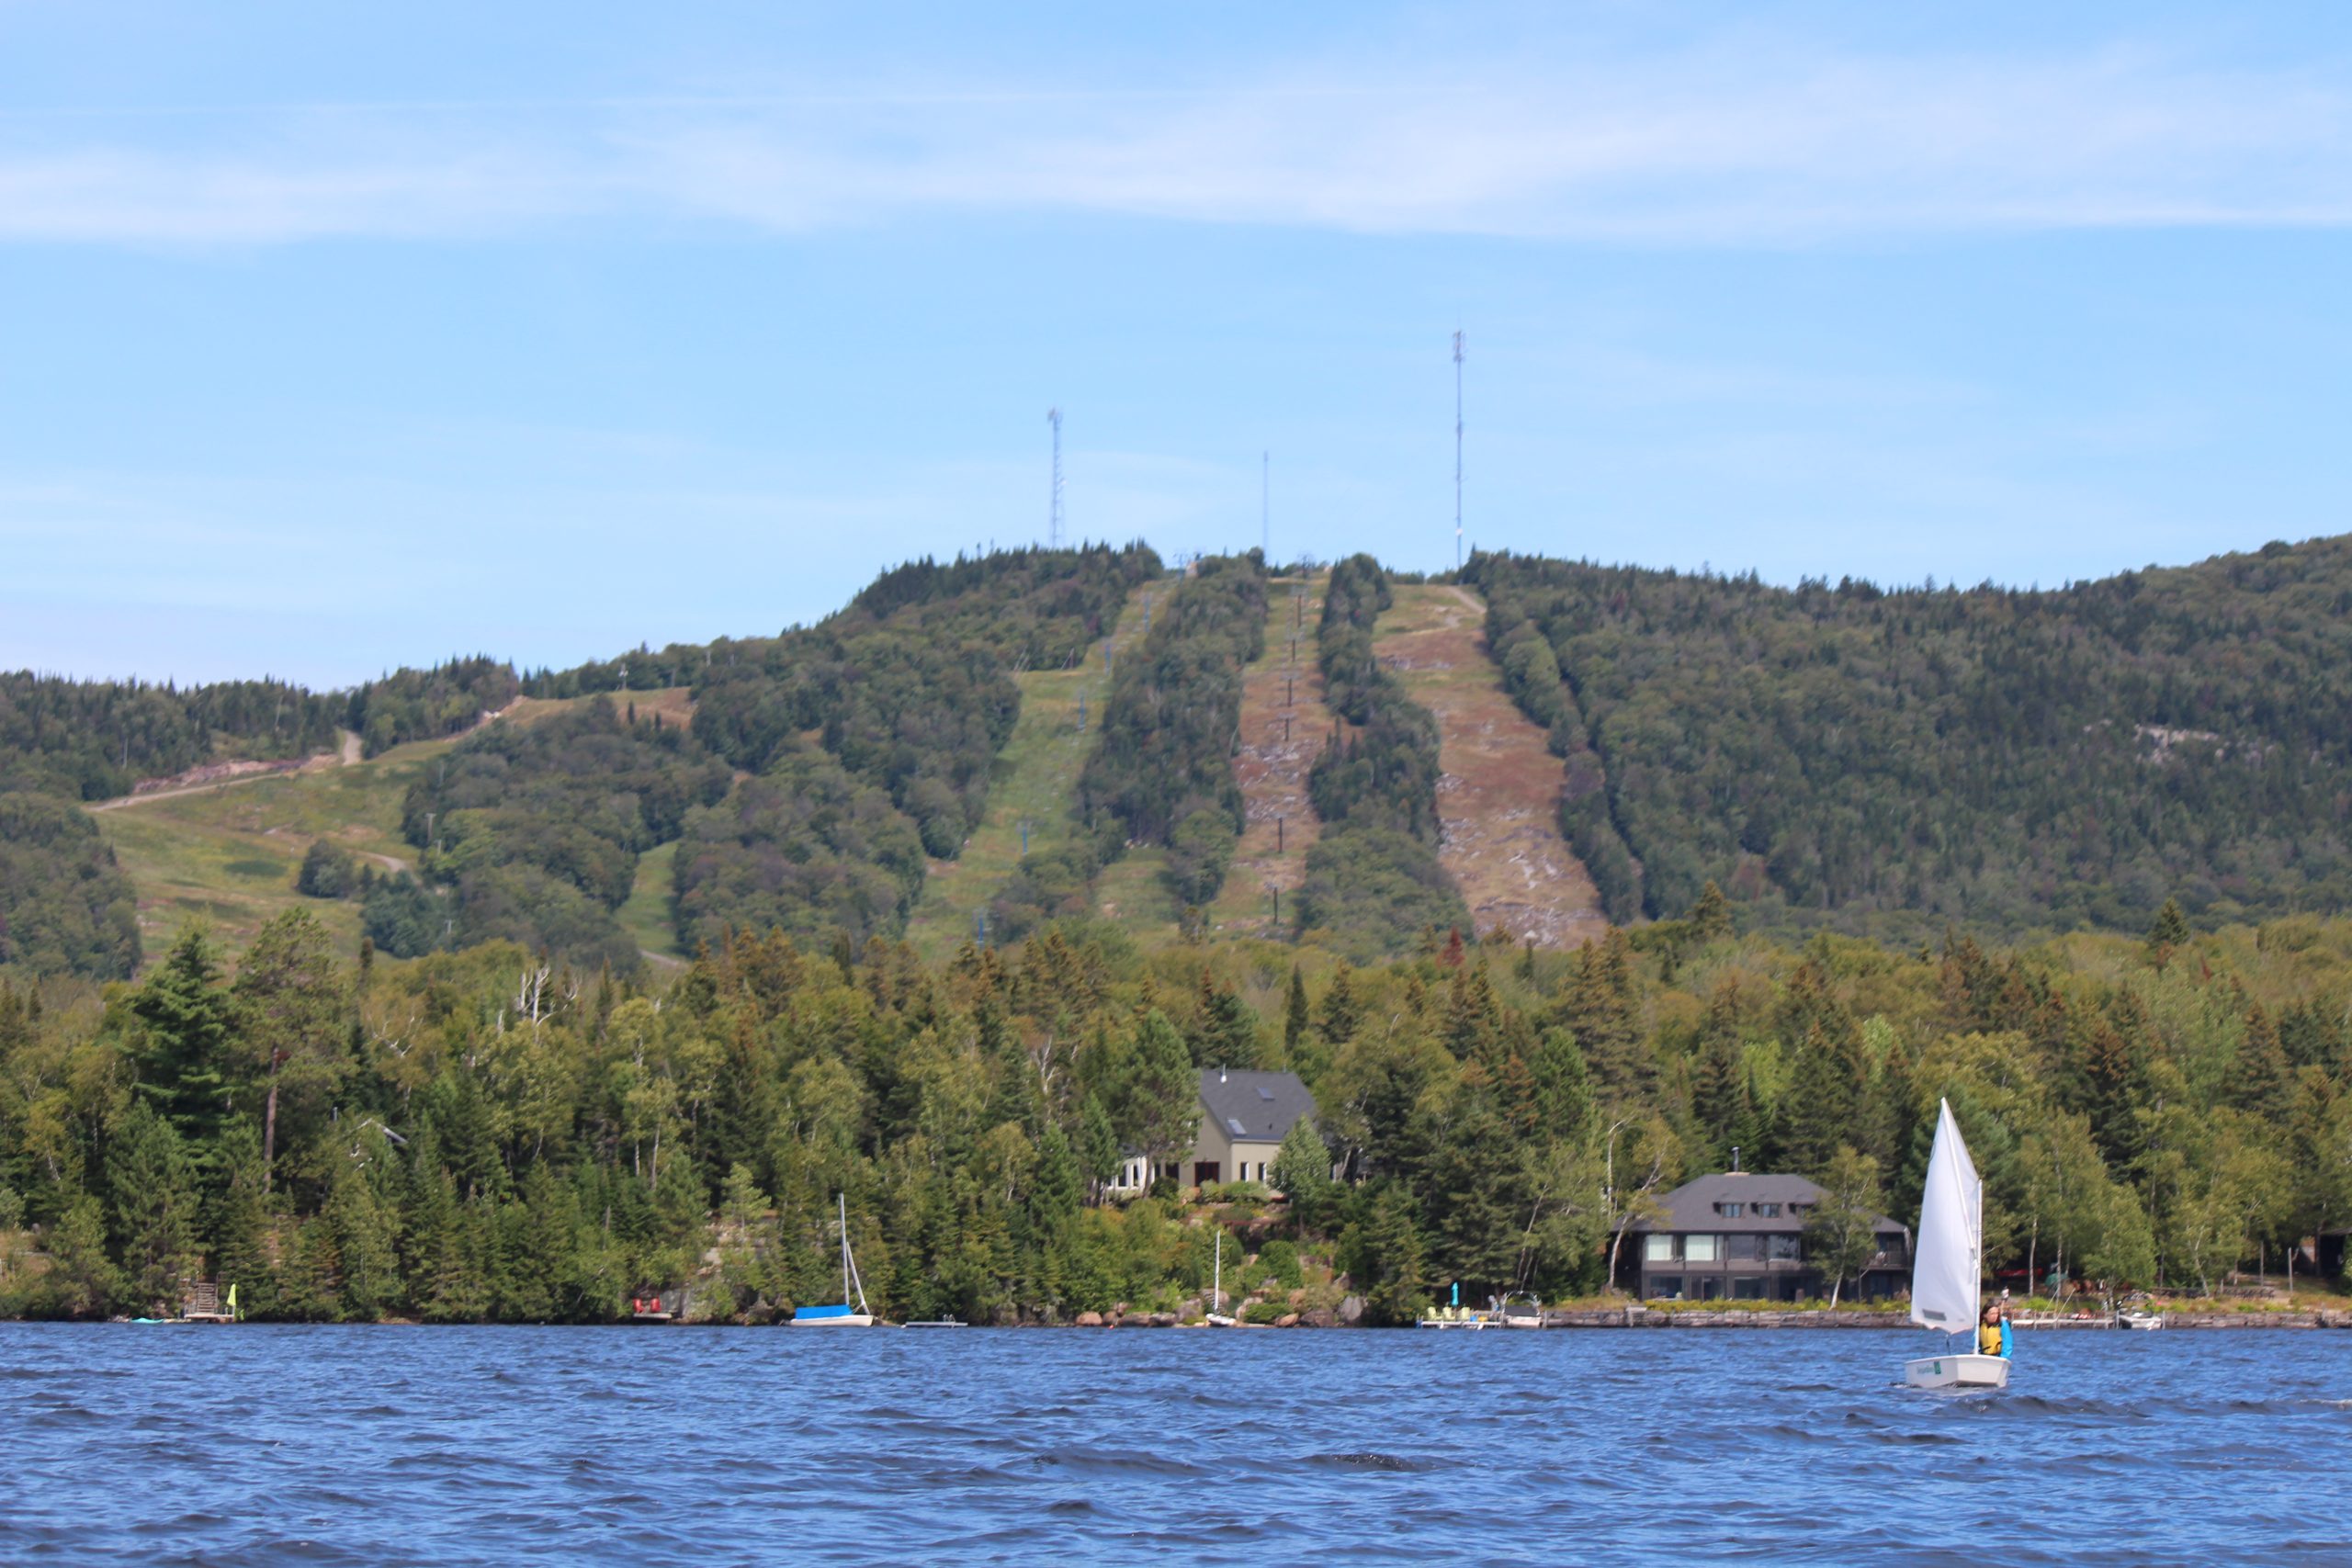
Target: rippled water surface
(258, 1445)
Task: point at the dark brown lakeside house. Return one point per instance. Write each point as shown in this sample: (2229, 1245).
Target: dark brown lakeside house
(1740, 1235)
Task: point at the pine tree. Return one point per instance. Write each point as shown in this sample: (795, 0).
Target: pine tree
(1295, 1019)
(1561, 1093)
(2168, 931)
(1387, 1257)
(184, 1048)
(1602, 1010)
(1710, 917)
(154, 1209)
(1825, 1096)
(1342, 1012)
(1163, 1097)
(1098, 1145)
(80, 1280)
(237, 1221)
(2261, 1082)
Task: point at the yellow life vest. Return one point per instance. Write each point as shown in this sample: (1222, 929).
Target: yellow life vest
(1988, 1339)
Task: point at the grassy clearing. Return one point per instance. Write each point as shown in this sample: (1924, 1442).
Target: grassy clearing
(227, 853)
(1133, 890)
(1034, 780)
(227, 856)
(646, 915)
(1499, 801)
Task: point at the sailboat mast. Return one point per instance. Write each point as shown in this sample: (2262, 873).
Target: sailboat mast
(842, 1199)
(1976, 1250)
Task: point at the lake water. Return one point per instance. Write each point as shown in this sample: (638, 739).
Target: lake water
(257, 1445)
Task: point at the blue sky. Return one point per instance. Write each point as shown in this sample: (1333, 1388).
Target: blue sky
(330, 343)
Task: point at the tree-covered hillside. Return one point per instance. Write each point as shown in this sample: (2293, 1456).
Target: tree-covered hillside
(1878, 760)
(482, 1136)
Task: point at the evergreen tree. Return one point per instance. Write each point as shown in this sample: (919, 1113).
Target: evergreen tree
(154, 1209)
(1162, 1112)
(1710, 917)
(1561, 1093)
(1342, 1011)
(1386, 1259)
(1098, 1145)
(237, 1220)
(2261, 1082)
(2168, 931)
(1295, 1018)
(1824, 1094)
(183, 1050)
(80, 1280)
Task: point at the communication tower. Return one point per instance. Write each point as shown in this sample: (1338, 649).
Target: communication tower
(1457, 451)
(1053, 509)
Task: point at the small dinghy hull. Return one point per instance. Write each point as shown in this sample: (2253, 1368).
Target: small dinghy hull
(1957, 1371)
(830, 1317)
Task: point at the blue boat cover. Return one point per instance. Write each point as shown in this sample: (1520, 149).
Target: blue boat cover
(845, 1310)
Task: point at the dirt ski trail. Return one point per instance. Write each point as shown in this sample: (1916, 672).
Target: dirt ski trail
(1499, 801)
(1285, 727)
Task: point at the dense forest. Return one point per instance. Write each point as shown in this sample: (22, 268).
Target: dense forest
(482, 1135)
(1876, 759)
(1373, 874)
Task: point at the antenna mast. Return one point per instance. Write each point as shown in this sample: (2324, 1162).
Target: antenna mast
(1457, 450)
(1054, 510)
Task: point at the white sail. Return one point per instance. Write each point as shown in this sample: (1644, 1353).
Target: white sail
(1948, 1267)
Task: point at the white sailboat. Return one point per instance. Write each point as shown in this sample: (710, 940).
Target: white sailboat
(1947, 1271)
(1218, 1317)
(840, 1316)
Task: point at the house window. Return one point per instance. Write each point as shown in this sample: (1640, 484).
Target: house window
(1659, 1249)
(1890, 1245)
(1744, 1247)
(1666, 1288)
(1750, 1289)
(1783, 1249)
(1731, 1211)
(1768, 1210)
(1701, 1248)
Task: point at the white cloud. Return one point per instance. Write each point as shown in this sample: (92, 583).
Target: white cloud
(1726, 145)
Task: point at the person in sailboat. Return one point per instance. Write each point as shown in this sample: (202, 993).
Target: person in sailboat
(1993, 1334)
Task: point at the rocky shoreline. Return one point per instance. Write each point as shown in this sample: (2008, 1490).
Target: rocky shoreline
(1650, 1318)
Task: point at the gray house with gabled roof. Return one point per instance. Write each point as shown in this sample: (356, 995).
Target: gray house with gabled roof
(1244, 1118)
(1740, 1235)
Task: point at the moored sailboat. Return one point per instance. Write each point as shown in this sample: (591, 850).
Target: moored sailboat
(844, 1315)
(1948, 1270)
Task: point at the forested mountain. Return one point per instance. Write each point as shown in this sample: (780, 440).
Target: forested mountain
(522, 1123)
(1889, 760)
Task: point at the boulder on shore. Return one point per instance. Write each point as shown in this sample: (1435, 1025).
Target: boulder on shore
(1287, 1320)
(1089, 1320)
(1351, 1312)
